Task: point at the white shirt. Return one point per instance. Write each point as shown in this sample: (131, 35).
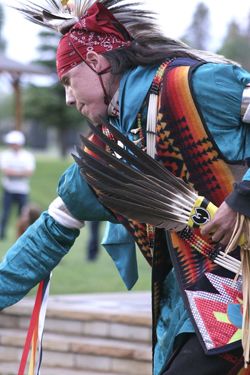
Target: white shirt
(21, 161)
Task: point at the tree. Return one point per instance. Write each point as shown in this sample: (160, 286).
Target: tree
(2, 41)
(46, 105)
(236, 44)
(197, 34)
(248, 26)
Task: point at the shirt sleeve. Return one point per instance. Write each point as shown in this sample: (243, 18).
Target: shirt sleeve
(31, 162)
(32, 258)
(80, 199)
(239, 199)
(3, 160)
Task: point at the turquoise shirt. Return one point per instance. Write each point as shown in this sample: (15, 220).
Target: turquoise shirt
(218, 90)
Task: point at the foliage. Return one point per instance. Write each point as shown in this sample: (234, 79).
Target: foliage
(46, 105)
(197, 34)
(6, 106)
(236, 45)
(2, 41)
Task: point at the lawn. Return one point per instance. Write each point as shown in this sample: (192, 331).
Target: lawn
(74, 274)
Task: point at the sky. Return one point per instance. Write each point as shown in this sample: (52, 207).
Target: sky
(175, 16)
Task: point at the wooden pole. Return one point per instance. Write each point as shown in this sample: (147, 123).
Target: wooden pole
(18, 102)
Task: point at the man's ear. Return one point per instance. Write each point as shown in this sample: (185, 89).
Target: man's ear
(94, 60)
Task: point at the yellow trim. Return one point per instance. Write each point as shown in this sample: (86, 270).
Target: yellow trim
(211, 209)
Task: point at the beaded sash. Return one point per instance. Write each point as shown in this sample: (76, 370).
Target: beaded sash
(184, 147)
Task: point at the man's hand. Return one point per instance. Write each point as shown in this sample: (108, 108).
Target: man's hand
(221, 227)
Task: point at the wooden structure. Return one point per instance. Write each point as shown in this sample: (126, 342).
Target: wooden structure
(16, 70)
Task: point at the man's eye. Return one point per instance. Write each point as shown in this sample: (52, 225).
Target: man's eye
(65, 81)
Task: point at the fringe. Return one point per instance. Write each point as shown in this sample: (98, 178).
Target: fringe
(242, 227)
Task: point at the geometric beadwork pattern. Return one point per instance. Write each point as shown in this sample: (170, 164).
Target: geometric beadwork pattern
(219, 314)
(192, 263)
(141, 238)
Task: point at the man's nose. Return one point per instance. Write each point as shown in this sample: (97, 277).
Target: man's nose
(69, 97)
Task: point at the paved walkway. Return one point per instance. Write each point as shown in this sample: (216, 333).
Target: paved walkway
(112, 306)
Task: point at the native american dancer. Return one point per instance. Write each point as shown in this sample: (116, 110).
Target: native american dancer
(189, 110)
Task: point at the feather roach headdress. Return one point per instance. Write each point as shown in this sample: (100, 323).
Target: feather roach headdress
(61, 15)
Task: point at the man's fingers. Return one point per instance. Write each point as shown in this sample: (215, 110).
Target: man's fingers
(220, 237)
(219, 230)
(207, 229)
(215, 234)
(225, 240)
(216, 237)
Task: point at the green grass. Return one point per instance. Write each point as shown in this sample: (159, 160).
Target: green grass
(74, 274)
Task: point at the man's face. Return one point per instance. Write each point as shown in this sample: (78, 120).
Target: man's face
(84, 91)
(15, 146)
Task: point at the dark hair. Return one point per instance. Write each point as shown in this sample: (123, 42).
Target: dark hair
(153, 51)
(123, 59)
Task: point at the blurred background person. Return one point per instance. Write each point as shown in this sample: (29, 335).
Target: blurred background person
(93, 241)
(17, 165)
(30, 212)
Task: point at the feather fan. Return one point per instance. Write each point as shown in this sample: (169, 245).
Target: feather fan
(137, 169)
(140, 188)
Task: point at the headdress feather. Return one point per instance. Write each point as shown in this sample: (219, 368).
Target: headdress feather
(61, 15)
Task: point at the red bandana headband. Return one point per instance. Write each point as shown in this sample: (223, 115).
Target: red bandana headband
(97, 30)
